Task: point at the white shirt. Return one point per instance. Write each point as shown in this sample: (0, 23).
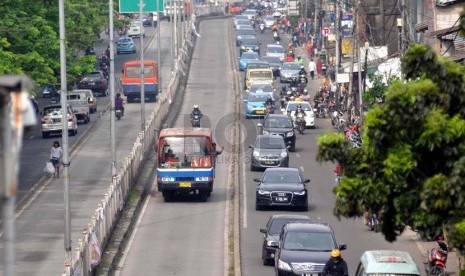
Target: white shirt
(55, 153)
(311, 66)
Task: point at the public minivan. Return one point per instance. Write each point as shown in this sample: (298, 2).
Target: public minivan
(258, 75)
(387, 262)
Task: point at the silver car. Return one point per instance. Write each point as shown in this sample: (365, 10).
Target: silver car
(273, 50)
(269, 151)
(51, 120)
(288, 71)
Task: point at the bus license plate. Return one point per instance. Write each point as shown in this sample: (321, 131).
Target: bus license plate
(185, 184)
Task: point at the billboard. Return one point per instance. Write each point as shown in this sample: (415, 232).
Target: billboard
(132, 6)
(347, 24)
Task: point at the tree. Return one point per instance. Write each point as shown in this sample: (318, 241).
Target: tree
(377, 93)
(411, 165)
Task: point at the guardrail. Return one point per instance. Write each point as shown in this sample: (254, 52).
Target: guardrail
(88, 252)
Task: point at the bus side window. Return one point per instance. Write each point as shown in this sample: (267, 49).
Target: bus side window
(360, 270)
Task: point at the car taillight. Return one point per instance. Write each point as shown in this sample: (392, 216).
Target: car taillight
(70, 118)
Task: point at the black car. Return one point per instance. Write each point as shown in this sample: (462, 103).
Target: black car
(269, 151)
(275, 64)
(240, 34)
(279, 124)
(250, 44)
(281, 187)
(96, 82)
(271, 234)
(304, 248)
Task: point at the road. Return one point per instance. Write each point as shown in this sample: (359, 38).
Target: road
(321, 199)
(39, 226)
(187, 237)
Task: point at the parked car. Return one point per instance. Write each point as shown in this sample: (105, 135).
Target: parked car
(387, 262)
(273, 50)
(96, 82)
(304, 248)
(125, 45)
(80, 105)
(240, 34)
(51, 120)
(250, 44)
(271, 234)
(309, 114)
(289, 71)
(269, 151)
(279, 124)
(245, 58)
(91, 99)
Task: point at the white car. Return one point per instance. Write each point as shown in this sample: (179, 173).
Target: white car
(135, 29)
(309, 115)
(269, 22)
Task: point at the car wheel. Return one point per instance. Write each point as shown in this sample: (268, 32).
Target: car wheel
(304, 208)
(168, 196)
(45, 135)
(258, 207)
(252, 168)
(203, 196)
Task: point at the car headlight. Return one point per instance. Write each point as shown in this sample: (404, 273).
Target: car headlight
(239, 37)
(243, 47)
(300, 193)
(265, 132)
(284, 266)
(167, 179)
(201, 178)
(256, 154)
(261, 192)
(256, 48)
(283, 154)
(290, 134)
(271, 243)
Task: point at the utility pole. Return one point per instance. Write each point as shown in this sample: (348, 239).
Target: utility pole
(317, 11)
(351, 69)
(112, 91)
(359, 64)
(158, 48)
(175, 24)
(171, 11)
(142, 70)
(337, 27)
(404, 23)
(64, 135)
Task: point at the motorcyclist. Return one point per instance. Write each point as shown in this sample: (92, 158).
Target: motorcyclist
(196, 111)
(336, 266)
(300, 110)
(119, 103)
(303, 72)
(305, 96)
(299, 60)
(269, 102)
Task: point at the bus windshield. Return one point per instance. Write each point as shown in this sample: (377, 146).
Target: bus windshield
(185, 152)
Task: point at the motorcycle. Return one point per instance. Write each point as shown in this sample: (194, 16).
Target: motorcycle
(321, 110)
(300, 123)
(437, 258)
(262, 27)
(373, 222)
(276, 36)
(195, 120)
(118, 113)
(269, 109)
(303, 79)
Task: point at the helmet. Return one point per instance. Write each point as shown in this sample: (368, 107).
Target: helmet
(299, 57)
(305, 91)
(301, 66)
(118, 95)
(335, 253)
(288, 93)
(299, 106)
(196, 106)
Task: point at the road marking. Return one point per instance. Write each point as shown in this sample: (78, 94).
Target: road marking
(131, 239)
(302, 168)
(297, 155)
(244, 192)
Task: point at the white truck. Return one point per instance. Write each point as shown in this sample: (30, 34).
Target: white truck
(79, 103)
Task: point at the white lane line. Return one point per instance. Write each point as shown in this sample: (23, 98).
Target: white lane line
(131, 239)
(302, 168)
(244, 192)
(297, 155)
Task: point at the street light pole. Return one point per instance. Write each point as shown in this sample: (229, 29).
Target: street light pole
(160, 87)
(367, 47)
(142, 69)
(112, 91)
(400, 23)
(171, 11)
(64, 135)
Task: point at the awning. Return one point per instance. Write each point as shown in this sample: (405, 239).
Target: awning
(421, 27)
(443, 32)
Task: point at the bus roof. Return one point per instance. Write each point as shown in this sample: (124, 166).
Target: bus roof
(186, 131)
(137, 62)
(389, 262)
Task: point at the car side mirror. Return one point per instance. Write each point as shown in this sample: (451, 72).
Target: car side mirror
(288, 147)
(256, 180)
(307, 181)
(245, 101)
(250, 147)
(247, 91)
(263, 230)
(259, 125)
(342, 246)
(283, 110)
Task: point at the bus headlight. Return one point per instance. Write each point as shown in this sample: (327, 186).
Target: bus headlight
(167, 179)
(201, 178)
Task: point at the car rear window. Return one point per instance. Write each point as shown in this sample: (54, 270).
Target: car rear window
(311, 241)
(278, 122)
(52, 111)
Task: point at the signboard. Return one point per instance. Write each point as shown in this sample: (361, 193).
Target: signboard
(347, 24)
(132, 6)
(326, 31)
(342, 78)
(345, 49)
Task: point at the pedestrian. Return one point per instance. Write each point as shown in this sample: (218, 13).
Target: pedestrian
(55, 157)
(312, 68)
(336, 266)
(319, 68)
(309, 48)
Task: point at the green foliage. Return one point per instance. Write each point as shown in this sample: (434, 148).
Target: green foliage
(29, 40)
(411, 165)
(377, 93)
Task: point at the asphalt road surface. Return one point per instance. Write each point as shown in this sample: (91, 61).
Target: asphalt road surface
(40, 226)
(321, 199)
(186, 237)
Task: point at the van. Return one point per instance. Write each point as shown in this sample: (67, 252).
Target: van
(91, 99)
(387, 262)
(261, 74)
(80, 106)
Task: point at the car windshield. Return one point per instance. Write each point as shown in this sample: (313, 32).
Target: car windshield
(249, 55)
(243, 22)
(252, 12)
(309, 241)
(278, 122)
(293, 106)
(291, 66)
(275, 50)
(277, 224)
(246, 32)
(255, 65)
(270, 143)
(53, 111)
(261, 74)
(254, 98)
(280, 177)
(272, 59)
(94, 76)
(251, 42)
(265, 87)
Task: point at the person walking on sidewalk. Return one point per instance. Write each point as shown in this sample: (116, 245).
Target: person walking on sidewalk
(55, 157)
(309, 48)
(312, 68)
(319, 68)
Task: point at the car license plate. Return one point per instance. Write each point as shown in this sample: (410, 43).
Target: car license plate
(185, 184)
(281, 199)
(310, 274)
(91, 83)
(269, 162)
(260, 111)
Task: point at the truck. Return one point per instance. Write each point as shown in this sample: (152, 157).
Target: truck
(131, 80)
